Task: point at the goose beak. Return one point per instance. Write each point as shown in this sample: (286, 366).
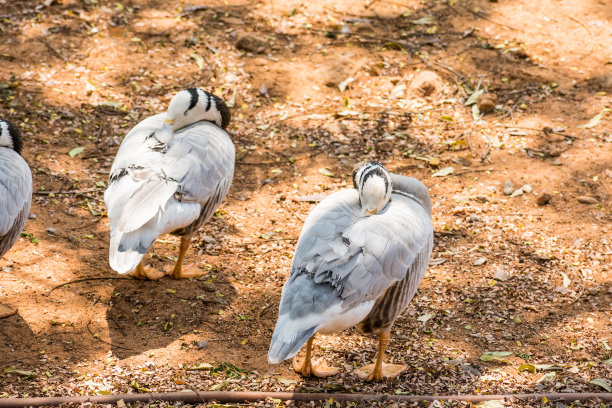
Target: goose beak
(372, 212)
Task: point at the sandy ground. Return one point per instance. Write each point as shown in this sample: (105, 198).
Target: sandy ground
(315, 88)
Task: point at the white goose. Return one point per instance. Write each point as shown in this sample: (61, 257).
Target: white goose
(15, 192)
(359, 260)
(171, 172)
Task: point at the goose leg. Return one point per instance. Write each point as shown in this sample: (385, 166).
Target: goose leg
(308, 367)
(142, 272)
(379, 370)
(178, 272)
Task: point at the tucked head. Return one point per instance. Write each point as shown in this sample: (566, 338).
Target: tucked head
(10, 136)
(373, 182)
(193, 105)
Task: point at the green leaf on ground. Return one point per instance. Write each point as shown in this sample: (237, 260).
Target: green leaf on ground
(76, 151)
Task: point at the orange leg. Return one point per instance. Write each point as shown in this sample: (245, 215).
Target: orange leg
(308, 367)
(141, 272)
(377, 371)
(178, 272)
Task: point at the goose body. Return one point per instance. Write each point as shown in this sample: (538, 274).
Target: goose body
(355, 264)
(15, 192)
(166, 180)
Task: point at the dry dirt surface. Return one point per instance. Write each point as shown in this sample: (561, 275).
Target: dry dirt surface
(466, 95)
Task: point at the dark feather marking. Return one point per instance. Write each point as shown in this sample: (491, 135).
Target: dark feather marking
(193, 92)
(208, 101)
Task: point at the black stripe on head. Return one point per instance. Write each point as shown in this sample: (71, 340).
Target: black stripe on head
(208, 100)
(193, 92)
(15, 135)
(223, 110)
(374, 169)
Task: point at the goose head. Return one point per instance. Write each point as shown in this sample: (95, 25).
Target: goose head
(373, 183)
(10, 136)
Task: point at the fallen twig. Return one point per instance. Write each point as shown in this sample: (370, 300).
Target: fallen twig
(88, 279)
(252, 396)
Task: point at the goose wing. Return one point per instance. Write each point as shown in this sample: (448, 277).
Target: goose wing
(156, 189)
(15, 197)
(343, 262)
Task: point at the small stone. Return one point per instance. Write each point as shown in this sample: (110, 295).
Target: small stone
(543, 199)
(250, 43)
(202, 344)
(557, 162)
(473, 218)
(209, 240)
(32, 216)
(587, 200)
(486, 102)
(501, 275)
(462, 161)
(507, 187)
(480, 261)
(434, 162)
(517, 192)
(384, 146)
(526, 188)
(51, 230)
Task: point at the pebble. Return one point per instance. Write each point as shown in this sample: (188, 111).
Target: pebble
(209, 240)
(501, 275)
(557, 162)
(202, 344)
(543, 199)
(480, 261)
(486, 102)
(32, 216)
(473, 218)
(51, 230)
(526, 188)
(384, 146)
(507, 187)
(250, 43)
(587, 200)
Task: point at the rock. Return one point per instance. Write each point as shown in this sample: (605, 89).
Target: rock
(557, 162)
(587, 200)
(480, 261)
(426, 83)
(486, 102)
(526, 188)
(517, 192)
(51, 230)
(507, 187)
(202, 344)
(250, 43)
(501, 275)
(32, 216)
(384, 146)
(462, 161)
(473, 218)
(543, 199)
(209, 240)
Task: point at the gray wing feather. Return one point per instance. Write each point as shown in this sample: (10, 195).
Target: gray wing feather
(141, 202)
(15, 197)
(361, 257)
